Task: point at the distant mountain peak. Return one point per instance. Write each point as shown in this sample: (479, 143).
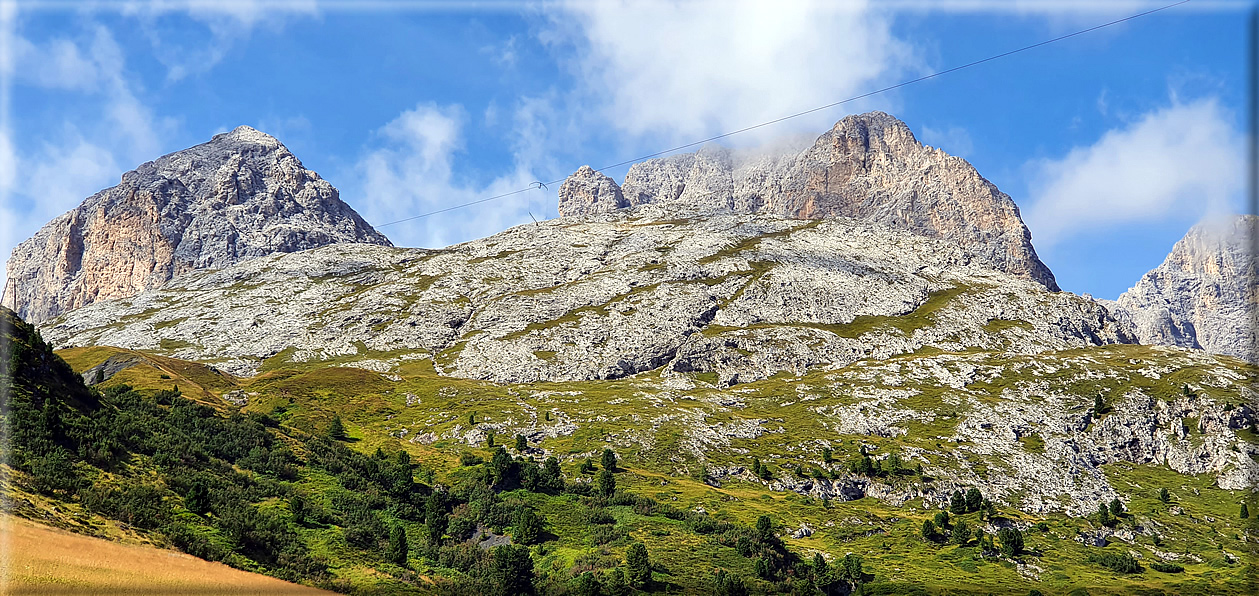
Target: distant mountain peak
(1205, 293)
(867, 166)
(241, 195)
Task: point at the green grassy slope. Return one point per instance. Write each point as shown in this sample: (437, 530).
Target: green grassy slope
(664, 459)
(679, 441)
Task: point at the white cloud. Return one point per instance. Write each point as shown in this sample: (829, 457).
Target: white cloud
(89, 148)
(679, 70)
(504, 54)
(1185, 160)
(411, 172)
(185, 52)
(955, 140)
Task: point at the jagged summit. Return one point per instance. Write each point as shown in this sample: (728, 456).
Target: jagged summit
(1205, 293)
(868, 166)
(241, 195)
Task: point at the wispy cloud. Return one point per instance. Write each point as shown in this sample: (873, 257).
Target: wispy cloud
(186, 52)
(1183, 160)
(409, 170)
(681, 70)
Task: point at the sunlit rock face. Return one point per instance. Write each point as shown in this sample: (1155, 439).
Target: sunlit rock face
(1205, 293)
(868, 167)
(241, 195)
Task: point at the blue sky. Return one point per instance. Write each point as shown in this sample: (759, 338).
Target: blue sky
(1112, 144)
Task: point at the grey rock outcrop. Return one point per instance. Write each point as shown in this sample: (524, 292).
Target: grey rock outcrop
(1205, 295)
(738, 296)
(241, 195)
(588, 191)
(868, 167)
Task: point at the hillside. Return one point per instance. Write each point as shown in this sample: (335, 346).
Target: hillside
(1003, 424)
(43, 560)
(602, 297)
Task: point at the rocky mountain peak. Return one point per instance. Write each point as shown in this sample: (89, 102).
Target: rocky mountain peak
(868, 166)
(1205, 293)
(246, 134)
(241, 195)
(588, 191)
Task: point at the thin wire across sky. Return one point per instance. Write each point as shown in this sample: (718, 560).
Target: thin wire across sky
(535, 186)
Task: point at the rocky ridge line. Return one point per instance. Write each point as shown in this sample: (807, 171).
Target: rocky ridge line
(739, 296)
(868, 166)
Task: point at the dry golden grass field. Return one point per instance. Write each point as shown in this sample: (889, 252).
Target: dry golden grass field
(37, 559)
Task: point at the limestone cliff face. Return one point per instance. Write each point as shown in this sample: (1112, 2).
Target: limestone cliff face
(588, 191)
(606, 296)
(1205, 293)
(239, 196)
(868, 167)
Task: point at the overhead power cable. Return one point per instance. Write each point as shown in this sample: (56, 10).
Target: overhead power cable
(537, 185)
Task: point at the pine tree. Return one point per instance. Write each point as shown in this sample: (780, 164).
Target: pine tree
(435, 517)
(528, 527)
(942, 519)
(762, 569)
(1116, 507)
(827, 455)
(1245, 513)
(728, 584)
(501, 466)
(512, 570)
(961, 532)
(851, 569)
(521, 443)
(765, 528)
(588, 585)
(1164, 496)
(974, 499)
(1011, 541)
(615, 583)
(1099, 406)
(608, 459)
(638, 564)
(297, 507)
(1103, 514)
(397, 552)
(760, 469)
(928, 530)
(606, 483)
(489, 439)
(198, 498)
(893, 464)
(819, 568)
(553, 478)
(336, 430)
(957, 503)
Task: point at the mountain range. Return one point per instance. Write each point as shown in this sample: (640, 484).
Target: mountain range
(848, 338)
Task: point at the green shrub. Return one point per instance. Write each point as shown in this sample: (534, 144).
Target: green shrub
(1011, 541)
(1166, 567)
(1117, 562)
